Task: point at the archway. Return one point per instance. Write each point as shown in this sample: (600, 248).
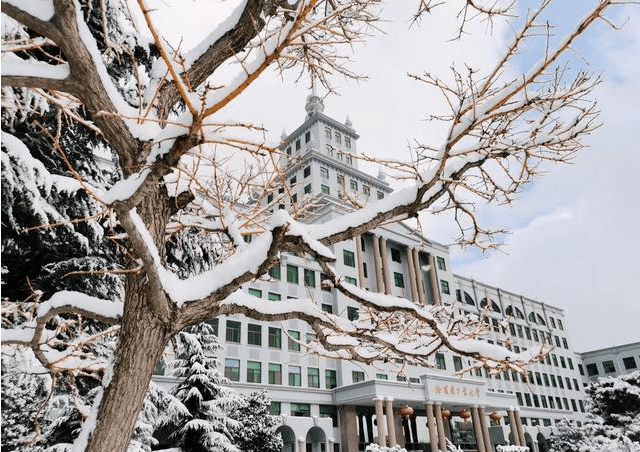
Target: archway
(316, 440)
(288, 438)
(529, 441)
(543, 443)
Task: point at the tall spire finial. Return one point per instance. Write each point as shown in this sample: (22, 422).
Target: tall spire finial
(314, 102)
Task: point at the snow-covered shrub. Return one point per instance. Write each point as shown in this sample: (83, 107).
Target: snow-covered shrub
(376, 448)
(512, 448)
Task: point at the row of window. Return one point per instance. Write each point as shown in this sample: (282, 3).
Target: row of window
(275, 374)
(233, 334)
(304, 409)
(608, 366)
(542, 401)
(337, 136)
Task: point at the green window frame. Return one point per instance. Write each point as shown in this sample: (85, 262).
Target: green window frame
(325, 189)
(329, 411)
(440, 361)
(275, 374)
(445, 286)
(300, 409)
(233, 331)
(275, 272)
(398, 279)
(327, 308)
(351, 280)
(382, 377)
(254, 372)
(254, 334)
(313, 377)
(275, 337)
(309, 278)
(232, 369)
(357, 376)
(275, 408)
(293, 337)
(307, 189)
(292, 274)
(330, 378)
(352, 313)
(441, 264)
(348, 258)
(272, 296)
(255, 292)
(295, 376)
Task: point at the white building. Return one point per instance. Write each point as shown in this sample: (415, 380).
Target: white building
(610, 361)
(328, 405)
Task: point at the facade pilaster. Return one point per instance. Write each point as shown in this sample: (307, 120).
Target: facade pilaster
(435, 287)
(419, 278)
(382, 440)
(378, 263)
(302, 444)
(431, 426)
(477, 429)
(516, 414)
(513, 427)
(391, 428)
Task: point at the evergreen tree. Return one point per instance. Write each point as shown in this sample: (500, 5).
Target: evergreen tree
(258, 426)
(207, 427)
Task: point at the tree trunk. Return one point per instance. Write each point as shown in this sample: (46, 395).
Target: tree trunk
(141, 341)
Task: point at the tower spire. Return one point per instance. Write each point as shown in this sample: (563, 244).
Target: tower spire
(314, 102)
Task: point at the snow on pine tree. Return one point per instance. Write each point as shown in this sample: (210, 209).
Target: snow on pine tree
(206, 426)
(258, 426)
(613, 419)
(106, 66)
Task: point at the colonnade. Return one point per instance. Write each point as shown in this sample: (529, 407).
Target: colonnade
(383, 273)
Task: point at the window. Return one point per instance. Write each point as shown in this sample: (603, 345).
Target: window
(338, 137)
(247, 238)
(330, 378)
(294, 338)
(348, 258)
(324, 173)
(352, 313)
(330, 150)
(232, 369)
(309, 278)
(300, 409)
(274, 272)
(341, 180)
(357, 375)
(295, 376)
(538, 378)
(297, 145)
(271, 296)
(327, 308)
(353, 185)
(563, 363)
(340, 155)
(629, 362)
(535, 335)
(306, 172)
(364, 270)
(554, 358)
(545, 377)
(327, 132)
(564, 343)
(275, 337)
(581, 369)
(255, 292)
(445, 286)
(292, 274)
(275, 408)
(519, 397)
(581, 405)
(293, 181)
(440, 362)
(214, 325)
(457, 363)
(553, 322)
(366, 190)
(313, 377)
(307, 189)
(329, 411)
(543, 399)
(560, 383)
(380, 194)
(382, 377)
(325, 189)
(233, 331)
(289, 150)
(527, 332)
(398, 279)
(608, 367)
(326, 287)
(527, 399)
(553, 381)
(560, 324)
(557, 341)
(395, 255)
(576, 386)
(347, 142)
(440, 263)
(307, 137)
(570, 363)
(414, 380)
(254, 334)
(275, 374)
(254, 372)
(351, 280)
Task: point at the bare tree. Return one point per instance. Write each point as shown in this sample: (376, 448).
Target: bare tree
(499, 131)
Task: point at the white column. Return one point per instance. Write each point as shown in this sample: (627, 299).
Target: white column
(391, 428)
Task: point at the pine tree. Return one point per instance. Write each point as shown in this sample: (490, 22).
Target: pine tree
(207, 427)
(258, 431)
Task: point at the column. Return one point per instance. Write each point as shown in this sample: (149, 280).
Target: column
(414, 429)
(369, 421)
(419, 278)
(301, 445)
(382, 440)
(359, 262)
(391, 429)
(477, 429)
(360, 429)
(385, 262)
(516, 414)
(435, 286)
(378, 263)
(431, 425)
(485, 429)
(513, 427)
(348, 428)
(442, 439)
(412, 275)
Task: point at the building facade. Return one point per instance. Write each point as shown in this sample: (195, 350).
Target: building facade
(610, 361)
(331, 405)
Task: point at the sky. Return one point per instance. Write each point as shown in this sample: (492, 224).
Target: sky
(574, 233)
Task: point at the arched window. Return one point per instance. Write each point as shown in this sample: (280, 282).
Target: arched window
(519, 314)
(468, 299)
(532, 317)
(495, 307)
(541, 320)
